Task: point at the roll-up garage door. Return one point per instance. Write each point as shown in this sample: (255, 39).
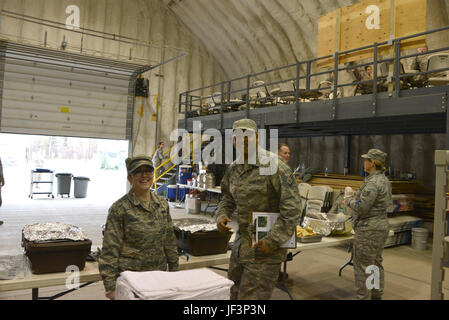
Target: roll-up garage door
(57, 93)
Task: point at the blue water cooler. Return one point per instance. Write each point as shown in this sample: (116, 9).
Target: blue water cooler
(171, 192)
(185, 173)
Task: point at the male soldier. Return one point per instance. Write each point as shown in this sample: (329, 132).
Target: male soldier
(369, 209)
(417, 64)
(284, 152)
(255, 270)
(2, 183)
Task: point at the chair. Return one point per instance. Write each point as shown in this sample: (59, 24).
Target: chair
(328, 85)
(215, 103)
(303, 189)
(262, 93)
(318, 200)
(438, 61)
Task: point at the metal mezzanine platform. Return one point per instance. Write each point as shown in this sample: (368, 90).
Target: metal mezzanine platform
(400, 109)
(421, 110)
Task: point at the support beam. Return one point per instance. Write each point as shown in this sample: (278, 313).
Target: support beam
(347, 161)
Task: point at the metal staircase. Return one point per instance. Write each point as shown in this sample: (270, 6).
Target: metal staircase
(168, 177)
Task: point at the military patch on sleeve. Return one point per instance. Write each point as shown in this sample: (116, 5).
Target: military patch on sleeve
(366, 193)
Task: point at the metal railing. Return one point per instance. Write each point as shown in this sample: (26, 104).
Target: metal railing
(225, 95)
(169, 159)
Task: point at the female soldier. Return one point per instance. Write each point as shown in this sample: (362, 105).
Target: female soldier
(139, 230)
(371, 226)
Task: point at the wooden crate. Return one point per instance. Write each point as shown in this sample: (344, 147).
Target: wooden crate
(345, 29)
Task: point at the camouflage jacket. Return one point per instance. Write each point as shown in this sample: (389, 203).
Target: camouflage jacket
(158, 158)
(244, 189)
(139, 236)
(370, 203)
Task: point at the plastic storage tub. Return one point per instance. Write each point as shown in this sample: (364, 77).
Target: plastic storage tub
(56, 256)
(202, 243)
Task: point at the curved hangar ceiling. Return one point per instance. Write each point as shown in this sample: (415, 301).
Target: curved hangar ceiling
(248, 36)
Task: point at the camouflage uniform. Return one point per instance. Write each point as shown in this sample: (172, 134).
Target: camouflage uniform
(371, 228)
(139, 236)
(158, 158)
(418, 64)
(244, 189)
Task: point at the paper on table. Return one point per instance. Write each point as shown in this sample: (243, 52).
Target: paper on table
(264, 222)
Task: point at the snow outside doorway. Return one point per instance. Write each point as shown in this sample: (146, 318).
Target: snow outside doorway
(102, 161)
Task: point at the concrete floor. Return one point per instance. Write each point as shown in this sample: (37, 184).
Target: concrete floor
(312, 274)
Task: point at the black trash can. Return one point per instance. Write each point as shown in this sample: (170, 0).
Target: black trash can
(80, 186)
(64, 183)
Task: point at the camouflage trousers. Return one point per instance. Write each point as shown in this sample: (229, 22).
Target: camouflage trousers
(367, 251)
(252, 281)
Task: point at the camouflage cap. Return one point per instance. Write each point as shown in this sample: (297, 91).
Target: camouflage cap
(135, 162)
(245, 124)
(376, 154)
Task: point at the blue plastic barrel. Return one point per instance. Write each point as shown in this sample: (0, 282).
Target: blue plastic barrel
(171, 192)
(185, 173)
(182, 193)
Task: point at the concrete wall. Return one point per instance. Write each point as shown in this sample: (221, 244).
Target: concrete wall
(149, 21)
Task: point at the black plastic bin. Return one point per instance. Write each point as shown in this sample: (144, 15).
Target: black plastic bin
(56, 256)
(64, 183)
(202, 243)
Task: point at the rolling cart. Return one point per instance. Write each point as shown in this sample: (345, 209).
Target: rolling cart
(41, 176)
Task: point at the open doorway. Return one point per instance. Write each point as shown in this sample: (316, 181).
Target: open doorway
(100, 160)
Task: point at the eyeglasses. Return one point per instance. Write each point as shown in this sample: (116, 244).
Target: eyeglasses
(143, 172)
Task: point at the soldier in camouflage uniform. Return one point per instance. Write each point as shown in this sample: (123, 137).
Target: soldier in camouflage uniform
(369, 209)
(139, 232)
(255, 270)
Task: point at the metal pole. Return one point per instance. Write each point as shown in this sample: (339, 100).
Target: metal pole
(248, 81)
(221, 105)
(374, 97)
(308, 76)
(397, 68)
(334, 87)
(157, 129)
(347, 160)
(298, 67)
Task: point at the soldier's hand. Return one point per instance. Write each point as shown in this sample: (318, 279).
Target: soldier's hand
(110, 295)
(221, 225)
(261, 246)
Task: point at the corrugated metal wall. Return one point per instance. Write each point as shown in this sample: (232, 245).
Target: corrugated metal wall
(405, 152)
(147, 20)
(63, 96)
